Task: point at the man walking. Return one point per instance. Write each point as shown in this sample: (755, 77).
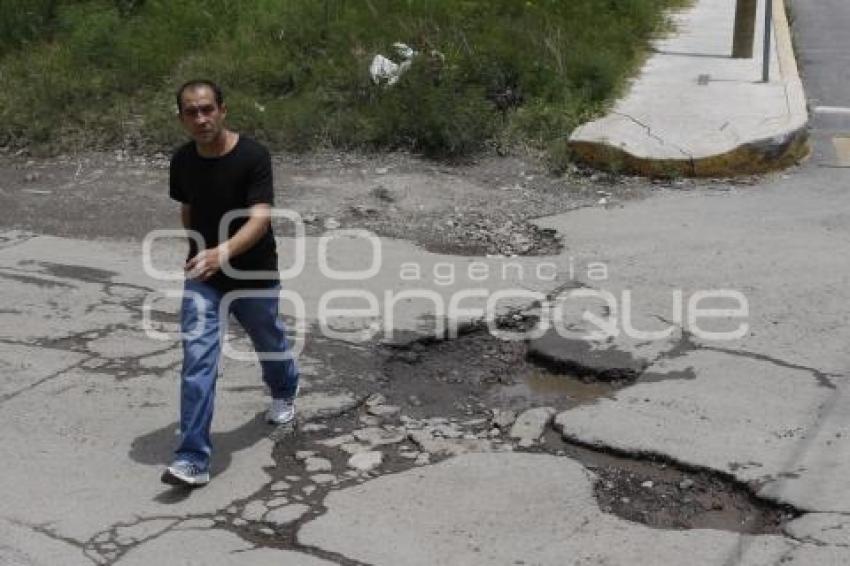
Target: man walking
(216, 173)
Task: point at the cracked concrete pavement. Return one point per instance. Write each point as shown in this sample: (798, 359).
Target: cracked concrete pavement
(89, 399)
(89, 402)
(421, 448)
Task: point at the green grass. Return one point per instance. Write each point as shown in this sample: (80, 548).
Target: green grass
(96, 73)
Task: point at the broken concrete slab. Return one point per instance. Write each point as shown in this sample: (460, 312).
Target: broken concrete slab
(354, 447)
(286, 514)
(319, 404)
(303, 455)
(666, 251)
(254, 511)
(710, 420)
(383, 410)
(530, 425)
(503, 418)
(586, 359)
(374, 436)
(437, 445)
(465, 510)
(336, 441)
(597, 336)
(366, 461)
(313, 464)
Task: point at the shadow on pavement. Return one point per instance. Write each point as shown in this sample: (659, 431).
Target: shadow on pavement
(173, 494)
(688, 54)
(156, 449)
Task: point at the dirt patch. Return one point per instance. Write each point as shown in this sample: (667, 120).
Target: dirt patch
(483, 206)
(475, 373)
(686, 501)
(664, 494)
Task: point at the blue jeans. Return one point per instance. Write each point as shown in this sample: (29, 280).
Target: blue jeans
(202, 332)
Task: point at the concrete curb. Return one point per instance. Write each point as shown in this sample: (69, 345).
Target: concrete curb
(787, 146)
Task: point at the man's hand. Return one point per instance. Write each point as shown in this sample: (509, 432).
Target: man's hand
(207, 262)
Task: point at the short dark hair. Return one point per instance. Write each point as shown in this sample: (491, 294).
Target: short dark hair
(195, 83)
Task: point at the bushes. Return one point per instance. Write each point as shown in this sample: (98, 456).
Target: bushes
(22, 21)
(295, 71)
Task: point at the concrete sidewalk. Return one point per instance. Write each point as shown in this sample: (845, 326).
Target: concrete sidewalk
(693, 110)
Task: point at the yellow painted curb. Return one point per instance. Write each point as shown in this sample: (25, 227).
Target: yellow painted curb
(784, 45)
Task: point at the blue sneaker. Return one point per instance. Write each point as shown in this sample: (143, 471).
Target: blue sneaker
(185, 474)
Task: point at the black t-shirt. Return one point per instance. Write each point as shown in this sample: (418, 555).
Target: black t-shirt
(213, 186)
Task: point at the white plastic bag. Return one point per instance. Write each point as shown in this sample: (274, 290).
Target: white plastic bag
(385, 70)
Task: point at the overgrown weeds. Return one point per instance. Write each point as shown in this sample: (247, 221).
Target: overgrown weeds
(499, 73)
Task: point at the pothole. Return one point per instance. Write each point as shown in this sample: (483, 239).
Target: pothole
(666, 495)
(538, 387)
(585, 360)
(475, 372)
(437, 399)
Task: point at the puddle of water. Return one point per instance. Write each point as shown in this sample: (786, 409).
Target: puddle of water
(544, 383)
(536, 387)
(480, 371)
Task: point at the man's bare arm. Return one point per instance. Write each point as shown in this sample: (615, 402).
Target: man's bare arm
(251, 232)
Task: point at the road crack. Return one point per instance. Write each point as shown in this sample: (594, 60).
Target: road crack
(649, 132)
(687, 344)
